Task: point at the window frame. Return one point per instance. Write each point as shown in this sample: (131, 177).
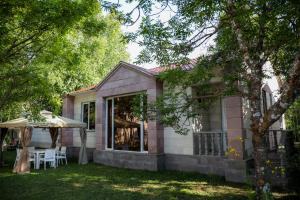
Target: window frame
(113, 133)
(82, 110)
(264, 101)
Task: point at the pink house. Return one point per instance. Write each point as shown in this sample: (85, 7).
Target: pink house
(218, 142)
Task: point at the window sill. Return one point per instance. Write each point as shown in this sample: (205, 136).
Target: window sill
(124, 151)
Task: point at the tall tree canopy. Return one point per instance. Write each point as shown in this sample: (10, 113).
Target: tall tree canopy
(51, 47)
(247, 36)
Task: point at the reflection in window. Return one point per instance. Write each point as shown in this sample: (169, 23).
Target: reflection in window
(145, 136)
(264, 101)
(89, 114)
(92, 116)
(109, 123)
(85, 113)
(124, 126)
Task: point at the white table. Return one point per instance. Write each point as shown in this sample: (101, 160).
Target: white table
(37, 153)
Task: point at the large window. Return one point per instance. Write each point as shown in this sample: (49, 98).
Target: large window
(125, 129)
(89, 114)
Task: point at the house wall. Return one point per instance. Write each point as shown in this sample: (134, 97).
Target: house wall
(166, 149)
(126, 80)
(91, 134)
(233, 170)
(70, 108)
(68, 111)
(234, 123)
(175, 143)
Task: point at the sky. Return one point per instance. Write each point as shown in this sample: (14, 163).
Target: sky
(133, 48)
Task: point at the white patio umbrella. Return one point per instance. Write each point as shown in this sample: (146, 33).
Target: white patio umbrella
(48, 121)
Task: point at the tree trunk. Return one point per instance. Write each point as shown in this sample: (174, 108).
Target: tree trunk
(259, 162)
(54, 134)
(257, 141)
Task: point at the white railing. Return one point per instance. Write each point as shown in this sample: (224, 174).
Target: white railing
(275, 139)
(211, 143)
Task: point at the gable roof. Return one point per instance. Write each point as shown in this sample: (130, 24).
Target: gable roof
(148, 72)
(128, 66)
(186, 67)
(83, 90)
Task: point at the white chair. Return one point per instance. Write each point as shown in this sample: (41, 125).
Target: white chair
(57, 148)
(62, 155)
(49, 156)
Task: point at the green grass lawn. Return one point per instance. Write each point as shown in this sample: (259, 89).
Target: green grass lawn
(94, 181)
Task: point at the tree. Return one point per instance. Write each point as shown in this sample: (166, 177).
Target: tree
(81, 58)
(293, 118)
(49, 47)
(27, 28)
(247, 35)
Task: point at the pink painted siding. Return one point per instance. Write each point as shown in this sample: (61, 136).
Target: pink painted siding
(68, 111)
(233, 106)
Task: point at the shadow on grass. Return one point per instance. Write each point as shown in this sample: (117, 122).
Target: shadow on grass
(101, 182)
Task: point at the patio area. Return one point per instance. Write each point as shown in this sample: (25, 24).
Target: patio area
(54, 154)
(94, 181)
(52, 157)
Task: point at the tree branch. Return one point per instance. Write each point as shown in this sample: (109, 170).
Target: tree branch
(243, 46)
(290, 92)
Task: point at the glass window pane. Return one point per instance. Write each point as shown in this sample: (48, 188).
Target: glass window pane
(92, 116)
(109, 123)
(145, 136)
(145, 123)
(264, 98)
(85, 113)
(127, 127)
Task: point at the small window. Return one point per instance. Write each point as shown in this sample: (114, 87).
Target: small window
(264, 99)
(89, 114)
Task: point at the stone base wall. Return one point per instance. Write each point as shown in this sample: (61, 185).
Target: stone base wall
(232, 170)
(202, 164)
(73, 152)
(132, 160)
